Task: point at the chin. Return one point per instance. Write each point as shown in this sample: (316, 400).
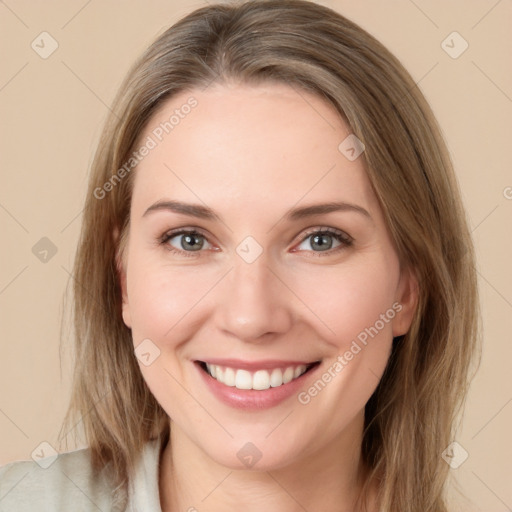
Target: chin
(260, 454)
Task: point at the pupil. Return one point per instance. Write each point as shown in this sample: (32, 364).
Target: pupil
(321, 245)
(190, 239)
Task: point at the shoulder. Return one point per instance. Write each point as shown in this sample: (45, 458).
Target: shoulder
(53, 484)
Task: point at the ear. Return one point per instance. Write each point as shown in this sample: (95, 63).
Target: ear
(121, 273)
(407, 300)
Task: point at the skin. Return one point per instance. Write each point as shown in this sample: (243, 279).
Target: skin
(266, 149)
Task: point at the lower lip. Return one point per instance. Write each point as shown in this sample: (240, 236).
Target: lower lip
(253, 399)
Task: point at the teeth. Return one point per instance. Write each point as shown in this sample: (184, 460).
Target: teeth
(229, 377)
(298, 372)
(276, 378)
(260, 380)
(243, 379)
(288, 375)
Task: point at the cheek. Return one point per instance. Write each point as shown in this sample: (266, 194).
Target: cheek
(349, 299)
(165, 301)
(356, 303)
(164, 304)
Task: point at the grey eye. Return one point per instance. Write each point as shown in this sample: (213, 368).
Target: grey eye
(190, 241)
(320, 241)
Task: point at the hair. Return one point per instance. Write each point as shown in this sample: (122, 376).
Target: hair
(412, 415)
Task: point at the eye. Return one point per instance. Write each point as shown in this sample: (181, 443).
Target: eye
(187, 242)
(183, 241)
(321, 241)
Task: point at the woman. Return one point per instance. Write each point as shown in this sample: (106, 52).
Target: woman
(275, 294)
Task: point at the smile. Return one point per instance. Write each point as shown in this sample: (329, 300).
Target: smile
(259, 379)
(254, 385)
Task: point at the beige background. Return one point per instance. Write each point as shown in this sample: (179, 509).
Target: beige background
(52, 111)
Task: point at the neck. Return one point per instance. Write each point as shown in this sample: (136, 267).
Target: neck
(329, 479)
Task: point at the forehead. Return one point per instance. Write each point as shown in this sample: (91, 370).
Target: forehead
(253, 145)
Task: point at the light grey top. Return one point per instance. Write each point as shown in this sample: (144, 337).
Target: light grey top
(69, 483)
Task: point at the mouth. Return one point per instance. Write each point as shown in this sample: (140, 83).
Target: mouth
(258, 379)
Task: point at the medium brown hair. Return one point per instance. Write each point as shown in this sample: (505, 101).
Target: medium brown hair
(411, 417)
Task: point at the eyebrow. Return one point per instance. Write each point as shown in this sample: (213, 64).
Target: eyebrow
(204, 212)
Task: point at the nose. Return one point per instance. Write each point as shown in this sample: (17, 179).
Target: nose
(255, 302)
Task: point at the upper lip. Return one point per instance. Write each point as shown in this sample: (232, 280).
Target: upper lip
(264, 364)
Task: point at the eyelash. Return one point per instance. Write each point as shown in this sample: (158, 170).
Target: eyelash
(344, 239)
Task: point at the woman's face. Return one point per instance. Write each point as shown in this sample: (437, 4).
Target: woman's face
(269, 284)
